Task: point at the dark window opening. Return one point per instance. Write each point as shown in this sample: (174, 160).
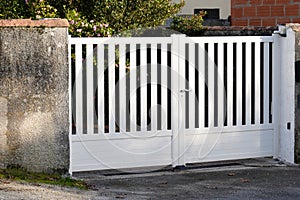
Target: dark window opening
(210, 13)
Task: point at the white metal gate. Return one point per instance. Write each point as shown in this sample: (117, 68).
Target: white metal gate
(155, 101)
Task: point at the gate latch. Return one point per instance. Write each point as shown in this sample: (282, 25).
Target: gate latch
(185, 90)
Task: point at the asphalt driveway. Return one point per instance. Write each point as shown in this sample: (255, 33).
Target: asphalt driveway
(244, 179)
(247, 179)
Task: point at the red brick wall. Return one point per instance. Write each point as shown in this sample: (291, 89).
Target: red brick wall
(264, 12)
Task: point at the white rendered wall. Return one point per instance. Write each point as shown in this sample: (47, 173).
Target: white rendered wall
(190, 5)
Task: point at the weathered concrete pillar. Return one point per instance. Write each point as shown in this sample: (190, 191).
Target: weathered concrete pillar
(34, 95)
(283, 104)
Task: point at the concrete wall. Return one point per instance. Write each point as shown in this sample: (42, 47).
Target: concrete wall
(285, 108)
(34, 122)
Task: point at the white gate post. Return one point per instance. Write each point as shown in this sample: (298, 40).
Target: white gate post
(178, 82)
(70, 104)
(276, 93)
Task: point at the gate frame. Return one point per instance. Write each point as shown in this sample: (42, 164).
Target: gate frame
(281, 43)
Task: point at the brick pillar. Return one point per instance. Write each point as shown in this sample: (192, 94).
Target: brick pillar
(34, 95)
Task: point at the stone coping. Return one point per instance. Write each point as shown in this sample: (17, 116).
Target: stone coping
(56, 22)
(239, 28)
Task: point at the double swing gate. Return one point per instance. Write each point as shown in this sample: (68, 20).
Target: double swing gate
(157, 101)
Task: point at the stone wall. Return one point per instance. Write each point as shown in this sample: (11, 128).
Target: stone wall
(34, 95)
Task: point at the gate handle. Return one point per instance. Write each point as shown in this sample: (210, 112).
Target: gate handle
(185, 90)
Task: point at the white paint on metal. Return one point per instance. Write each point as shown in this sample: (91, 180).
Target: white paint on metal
(229, 84)
(221, 86)
(201, 86)
(79, 93)
(248, 76)
(100, 86)
(89, 88)
(143, 86)
(181, 145)
(154, 81)
(122, 88)
(133, 88)
(111, 86)
(239, 83)
(164, 86)
(257, 82)
(211, 84)
(191, 85)
(266, 83)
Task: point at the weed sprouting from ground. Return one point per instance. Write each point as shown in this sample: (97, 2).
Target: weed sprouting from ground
(31, 177)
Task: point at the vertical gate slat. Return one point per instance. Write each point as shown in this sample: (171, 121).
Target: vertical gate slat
(257, 82)
(276, 63)
(100, 86)
(90, 89)
(192, 93)
(71, 103)
(143, 87)
(274, 88)
(111, 82)
(230, 84)
(266, 83)
(201, 83)
(211, 85)
(164, 86)
(133, 88)
(177, 50)
(153, 86)
(122, 87)
(180, 158)
(239, 83)
(79, 93)
(248, 82)
(220, 78)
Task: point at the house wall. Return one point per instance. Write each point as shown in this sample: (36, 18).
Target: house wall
(34, 102)
(190, 5)
(264, 12)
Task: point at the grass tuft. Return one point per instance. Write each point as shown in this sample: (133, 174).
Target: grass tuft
(31, 177)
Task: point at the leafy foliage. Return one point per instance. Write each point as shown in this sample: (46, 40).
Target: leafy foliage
(35, 9)
(13, 9)
(94, 17)
(127, 14)
(80, 26)
(188, 25)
